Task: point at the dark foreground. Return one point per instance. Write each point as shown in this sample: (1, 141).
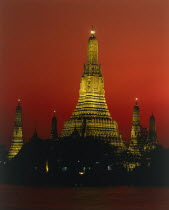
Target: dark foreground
(22, 197)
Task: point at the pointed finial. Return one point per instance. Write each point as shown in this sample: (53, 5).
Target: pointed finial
(136, 101)
(35, 133)
(19, 100)
(92, 31)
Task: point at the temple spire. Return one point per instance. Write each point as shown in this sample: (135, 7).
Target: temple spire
(92, 32)
(152, 130)
(136, 113)
(91, 117)
(136, 130)
(17, 140)
(92, 53)
(136, 125)
(53, 134)
(136, 101)
(19, 101)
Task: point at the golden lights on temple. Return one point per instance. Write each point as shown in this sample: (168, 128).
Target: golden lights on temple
(47, 167)
(17, 139)
(92, 32)
(136, 101)
(91, 117)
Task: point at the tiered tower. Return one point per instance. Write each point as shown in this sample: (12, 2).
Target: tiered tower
(142, 142)
(135, 142)
(91, 116)
(53, 134)
(17, 140)
(151, 143)
(152, 129)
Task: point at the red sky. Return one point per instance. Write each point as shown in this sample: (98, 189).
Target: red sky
(43, 46)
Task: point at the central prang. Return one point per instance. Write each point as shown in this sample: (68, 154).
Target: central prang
(91, 118)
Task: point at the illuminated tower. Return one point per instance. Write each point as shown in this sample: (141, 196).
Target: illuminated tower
(53, 134)
(17, 140)
(91, 116)
(152, 130)
(135, 130)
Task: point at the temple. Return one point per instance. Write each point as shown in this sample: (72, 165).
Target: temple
(136, 131)
(142, 142)
(90, 142)
(17, 140)
(53, 133)
(152, 130)
(91, 118)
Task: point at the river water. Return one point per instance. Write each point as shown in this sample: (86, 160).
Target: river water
(81, 198)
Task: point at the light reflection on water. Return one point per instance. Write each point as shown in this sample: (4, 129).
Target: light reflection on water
(81, 198)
